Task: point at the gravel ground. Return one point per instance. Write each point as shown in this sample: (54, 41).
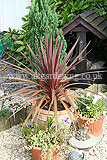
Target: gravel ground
(5, 89)
(10, 73)
(11, 143)
(98, 152)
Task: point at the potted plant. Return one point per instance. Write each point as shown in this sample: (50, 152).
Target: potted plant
(91, 112)
(48, 85)
(45, 141)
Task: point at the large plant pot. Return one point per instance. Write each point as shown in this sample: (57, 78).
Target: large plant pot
(36, 154)
(94, 128)
(43, 114)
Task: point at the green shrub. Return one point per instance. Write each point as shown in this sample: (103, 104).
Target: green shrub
(40, 19)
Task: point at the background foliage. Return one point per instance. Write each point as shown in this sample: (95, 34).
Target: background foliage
(68, 9)
(18, 40)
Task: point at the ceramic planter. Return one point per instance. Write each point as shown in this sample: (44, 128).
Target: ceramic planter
(43, 114)
(36, 154)
(94, 128)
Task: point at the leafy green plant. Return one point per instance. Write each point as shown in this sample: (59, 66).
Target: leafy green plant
(45, 136)
(67, 10)
(91, 106)
(17, 40)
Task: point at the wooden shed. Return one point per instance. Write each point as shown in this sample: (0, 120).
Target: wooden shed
(87, 22)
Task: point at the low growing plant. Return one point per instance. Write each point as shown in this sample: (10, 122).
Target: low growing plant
(45, 136)
(92, 106)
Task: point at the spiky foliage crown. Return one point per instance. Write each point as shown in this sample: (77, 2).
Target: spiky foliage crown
(47, 90)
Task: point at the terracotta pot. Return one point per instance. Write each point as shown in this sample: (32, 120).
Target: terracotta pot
(43, 114)
(36, 153)
(94, 128)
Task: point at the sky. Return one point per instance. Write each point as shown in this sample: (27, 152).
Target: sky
(11, 12)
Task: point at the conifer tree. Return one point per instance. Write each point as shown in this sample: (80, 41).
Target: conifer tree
(40, 19)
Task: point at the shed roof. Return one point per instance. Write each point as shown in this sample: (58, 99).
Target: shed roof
(91, 21)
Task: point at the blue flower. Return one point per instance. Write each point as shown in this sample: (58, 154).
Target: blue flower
(66, 120)
(30, 126)
(64, 138)
(54, 127)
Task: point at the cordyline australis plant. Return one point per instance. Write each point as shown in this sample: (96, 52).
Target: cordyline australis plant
(47, 91)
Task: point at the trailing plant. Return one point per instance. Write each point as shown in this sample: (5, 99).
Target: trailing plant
(51, 87)
(45, 136)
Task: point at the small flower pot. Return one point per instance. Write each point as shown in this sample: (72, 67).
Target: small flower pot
(94, 128)
(36, 154)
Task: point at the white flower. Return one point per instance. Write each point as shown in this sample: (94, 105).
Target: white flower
(88, 94)
(97, 97)
(102, 95)
(82, 96)
(104, 113)
(88, 107)
(95, 100)
(1, 93)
